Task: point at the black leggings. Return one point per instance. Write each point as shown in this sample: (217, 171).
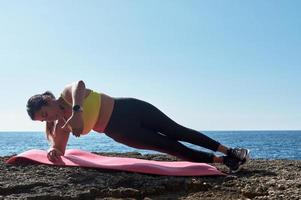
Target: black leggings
(141, 125)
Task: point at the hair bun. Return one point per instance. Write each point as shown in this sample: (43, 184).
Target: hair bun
(48, 93)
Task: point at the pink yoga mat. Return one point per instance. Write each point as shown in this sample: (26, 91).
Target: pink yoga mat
(79, 158)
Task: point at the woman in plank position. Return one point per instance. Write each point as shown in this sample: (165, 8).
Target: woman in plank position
(129, 121)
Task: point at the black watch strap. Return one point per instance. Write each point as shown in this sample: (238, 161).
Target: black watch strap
(77, 108)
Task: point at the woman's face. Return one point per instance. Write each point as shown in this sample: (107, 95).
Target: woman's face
(47, 113)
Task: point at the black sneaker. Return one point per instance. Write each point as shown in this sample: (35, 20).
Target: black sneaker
(232, 163)
(242, 154)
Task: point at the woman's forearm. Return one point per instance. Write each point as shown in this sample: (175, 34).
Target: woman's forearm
(60, 140)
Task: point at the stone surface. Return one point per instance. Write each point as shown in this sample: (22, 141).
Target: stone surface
(259, 179)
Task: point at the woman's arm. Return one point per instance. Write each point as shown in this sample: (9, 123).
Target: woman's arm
(59, 139)
(77, 91)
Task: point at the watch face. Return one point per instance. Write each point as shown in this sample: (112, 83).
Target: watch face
(76, 107)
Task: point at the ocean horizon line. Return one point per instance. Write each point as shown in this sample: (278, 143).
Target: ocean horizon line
(218, 130)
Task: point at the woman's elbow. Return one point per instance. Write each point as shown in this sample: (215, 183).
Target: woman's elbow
(81, 83)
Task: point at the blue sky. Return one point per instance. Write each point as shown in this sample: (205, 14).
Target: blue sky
(209, 65)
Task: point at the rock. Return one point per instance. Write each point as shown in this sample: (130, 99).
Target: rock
(281, 187)
(260, 179)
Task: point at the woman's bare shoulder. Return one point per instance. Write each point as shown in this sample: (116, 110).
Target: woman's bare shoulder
(67, 91)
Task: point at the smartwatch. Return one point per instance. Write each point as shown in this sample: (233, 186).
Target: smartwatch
(77, 108)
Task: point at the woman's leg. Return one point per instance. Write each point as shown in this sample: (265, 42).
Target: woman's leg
(154, 119)
(125, 127)
(136, 123)
(142, 138)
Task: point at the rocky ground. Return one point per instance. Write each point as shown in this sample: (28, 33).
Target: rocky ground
(259, 179)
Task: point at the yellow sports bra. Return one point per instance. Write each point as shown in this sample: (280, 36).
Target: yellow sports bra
(91, 109)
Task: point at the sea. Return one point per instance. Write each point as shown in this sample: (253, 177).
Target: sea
(263, 144)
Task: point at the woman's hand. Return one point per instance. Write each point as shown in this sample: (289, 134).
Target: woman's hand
(74, 124)
(54, 154)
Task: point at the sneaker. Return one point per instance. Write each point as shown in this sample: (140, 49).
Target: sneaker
(232, 163)
(242, 154)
